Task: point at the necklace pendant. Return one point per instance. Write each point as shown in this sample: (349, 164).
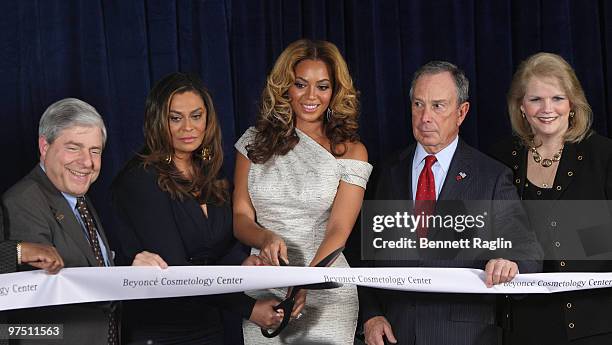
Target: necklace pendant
(545, 162)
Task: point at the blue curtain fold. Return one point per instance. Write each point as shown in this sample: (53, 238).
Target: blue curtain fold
(109, 53)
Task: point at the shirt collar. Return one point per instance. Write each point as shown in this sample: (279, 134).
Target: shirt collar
(72, 200)
(443, 157)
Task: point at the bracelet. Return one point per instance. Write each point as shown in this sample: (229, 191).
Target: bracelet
(18, 253)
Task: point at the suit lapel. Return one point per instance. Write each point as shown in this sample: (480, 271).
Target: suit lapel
(459, 176)
(401, 175)
(520, 155)
(569, 166)
(456, 187)
(64, 216)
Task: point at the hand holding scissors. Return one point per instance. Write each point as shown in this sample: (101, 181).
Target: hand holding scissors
(287, 304)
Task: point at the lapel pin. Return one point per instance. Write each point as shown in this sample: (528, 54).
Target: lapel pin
(59, 217)
(461, 176)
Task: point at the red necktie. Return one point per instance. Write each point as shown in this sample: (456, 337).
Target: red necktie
(426, 193)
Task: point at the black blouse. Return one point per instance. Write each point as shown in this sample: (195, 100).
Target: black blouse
(533, 192)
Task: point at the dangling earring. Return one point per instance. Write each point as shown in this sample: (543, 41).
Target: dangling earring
(523, 114)
(571, 114)
(330, 114)
(168, 159)
(206, 153)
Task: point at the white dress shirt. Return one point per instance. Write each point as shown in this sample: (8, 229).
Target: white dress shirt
(439, 168)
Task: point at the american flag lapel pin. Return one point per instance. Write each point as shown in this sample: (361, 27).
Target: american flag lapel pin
(461, 176)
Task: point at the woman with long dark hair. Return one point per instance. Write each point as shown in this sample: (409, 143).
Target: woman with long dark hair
(172, 204)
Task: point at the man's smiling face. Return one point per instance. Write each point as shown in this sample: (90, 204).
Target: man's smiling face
(72, 161)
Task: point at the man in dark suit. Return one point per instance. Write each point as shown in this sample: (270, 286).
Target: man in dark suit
(440, 166)
(49, 206)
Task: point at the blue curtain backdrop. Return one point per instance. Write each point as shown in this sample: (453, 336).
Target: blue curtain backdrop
(109, 53)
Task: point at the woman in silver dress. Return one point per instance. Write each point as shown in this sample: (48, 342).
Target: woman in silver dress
(301, 174)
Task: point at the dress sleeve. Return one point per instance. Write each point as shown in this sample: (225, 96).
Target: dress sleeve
(8, 251)
(237, 303)
(355, 172)
(8, 256)
(246, 139)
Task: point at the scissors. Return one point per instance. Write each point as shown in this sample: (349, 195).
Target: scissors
(287, 304)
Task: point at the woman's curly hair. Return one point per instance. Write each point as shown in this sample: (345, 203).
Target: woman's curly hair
(205, 184)
(275, 124)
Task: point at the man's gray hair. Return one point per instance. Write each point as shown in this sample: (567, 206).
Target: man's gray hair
(436, 67)
(66, 113)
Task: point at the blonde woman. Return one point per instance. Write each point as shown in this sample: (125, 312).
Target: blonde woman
(556, 156)
(301, 174)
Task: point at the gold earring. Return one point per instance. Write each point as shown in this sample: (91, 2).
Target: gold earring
(206, 153)
(168, 159)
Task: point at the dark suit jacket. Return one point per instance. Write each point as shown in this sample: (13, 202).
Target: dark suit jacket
(8, 251)
(428, 318)
(149, 219)
(8, 262)
(584, 173)
(36, 211)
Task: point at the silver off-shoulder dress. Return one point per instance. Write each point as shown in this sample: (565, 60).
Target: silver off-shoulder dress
(292, 196)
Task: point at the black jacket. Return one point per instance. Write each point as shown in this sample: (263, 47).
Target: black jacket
(149, 219)
(584, 173)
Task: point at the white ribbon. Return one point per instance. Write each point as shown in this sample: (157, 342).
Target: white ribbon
(93, 284)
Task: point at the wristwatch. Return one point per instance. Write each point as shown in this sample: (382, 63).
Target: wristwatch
(19, 253)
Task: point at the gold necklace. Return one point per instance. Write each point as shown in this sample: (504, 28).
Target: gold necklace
(545, 162)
